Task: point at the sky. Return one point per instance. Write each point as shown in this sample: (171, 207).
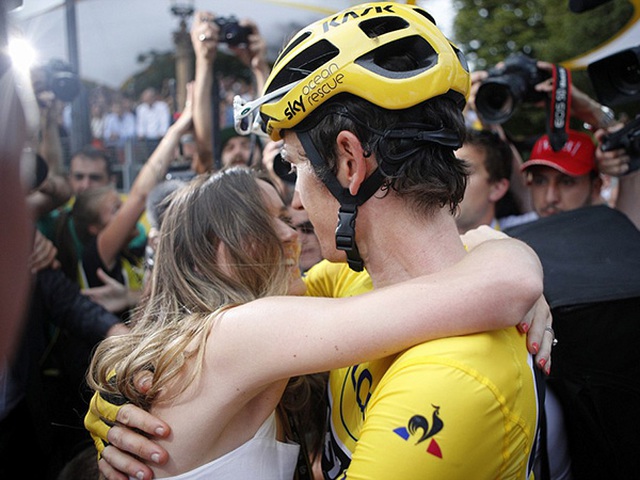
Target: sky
(112, 33)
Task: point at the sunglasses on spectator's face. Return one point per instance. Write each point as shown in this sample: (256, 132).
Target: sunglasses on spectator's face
(305, 227)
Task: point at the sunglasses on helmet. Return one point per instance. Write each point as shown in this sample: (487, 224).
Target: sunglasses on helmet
(246, 115)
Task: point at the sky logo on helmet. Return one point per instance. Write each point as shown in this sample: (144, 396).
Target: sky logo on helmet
(294, 107)
(418, 424)
(351, 15)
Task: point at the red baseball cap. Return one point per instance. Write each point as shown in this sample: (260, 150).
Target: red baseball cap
(576, 158)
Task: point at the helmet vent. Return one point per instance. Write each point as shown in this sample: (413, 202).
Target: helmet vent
(402, 58)
(425, 14)
(461, 58)
(376, 27)
(293, 45)
(304, 64)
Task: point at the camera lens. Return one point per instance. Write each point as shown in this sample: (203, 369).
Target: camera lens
(235, 35)
(495, 102)
(616, 78)
(627, 79)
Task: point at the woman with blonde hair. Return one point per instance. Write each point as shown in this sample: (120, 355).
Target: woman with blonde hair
(221, 340)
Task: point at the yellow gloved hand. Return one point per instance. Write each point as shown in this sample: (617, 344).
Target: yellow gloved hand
(100, 417)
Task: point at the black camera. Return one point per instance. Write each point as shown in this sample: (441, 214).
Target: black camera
(231, 32)
(507, 86)
(57, 77)
(628, 138)
(616, 78)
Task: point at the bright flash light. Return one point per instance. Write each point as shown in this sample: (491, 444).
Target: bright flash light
(23, 55)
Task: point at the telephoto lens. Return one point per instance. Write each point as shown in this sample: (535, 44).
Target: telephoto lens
(507, 86)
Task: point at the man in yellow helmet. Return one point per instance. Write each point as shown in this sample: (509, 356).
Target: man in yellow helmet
(369, 104)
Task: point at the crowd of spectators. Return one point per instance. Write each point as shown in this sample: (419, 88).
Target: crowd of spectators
(120, 121)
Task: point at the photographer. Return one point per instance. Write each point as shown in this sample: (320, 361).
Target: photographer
(54, 85)
(616, 163)
(499, 99)
(589, 255)
(245, 41)
(517, 185)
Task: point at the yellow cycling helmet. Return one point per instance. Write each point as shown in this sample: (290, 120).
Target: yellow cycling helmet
(339, 54)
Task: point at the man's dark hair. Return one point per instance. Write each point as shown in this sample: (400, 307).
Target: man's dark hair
(498, 158)
(425, 172)
(93, 153)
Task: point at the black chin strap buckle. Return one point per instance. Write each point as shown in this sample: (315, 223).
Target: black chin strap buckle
(345, 236)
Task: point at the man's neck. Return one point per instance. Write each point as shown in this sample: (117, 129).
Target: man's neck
(397, 246)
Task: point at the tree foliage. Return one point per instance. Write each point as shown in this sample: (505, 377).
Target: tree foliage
(490, 30)
(157, 68)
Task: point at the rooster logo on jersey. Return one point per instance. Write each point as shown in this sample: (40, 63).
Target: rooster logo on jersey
(419, 423)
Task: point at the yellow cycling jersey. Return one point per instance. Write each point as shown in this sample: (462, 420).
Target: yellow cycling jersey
(336, 280)
(454, 408)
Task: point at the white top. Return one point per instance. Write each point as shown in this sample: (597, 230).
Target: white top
(515, 220)
(263, 457)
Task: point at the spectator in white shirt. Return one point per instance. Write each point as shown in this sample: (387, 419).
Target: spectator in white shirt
(152, 118)
(119, 127)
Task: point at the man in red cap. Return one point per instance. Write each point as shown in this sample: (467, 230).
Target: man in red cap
(591, 262)
(563, 180)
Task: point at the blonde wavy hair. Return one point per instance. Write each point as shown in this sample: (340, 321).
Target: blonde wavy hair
(191, 284)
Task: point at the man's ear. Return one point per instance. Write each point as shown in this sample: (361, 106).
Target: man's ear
(352, 165)
(498, 189)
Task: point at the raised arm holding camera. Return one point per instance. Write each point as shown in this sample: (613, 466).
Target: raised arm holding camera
(498, 92)
(521, 79)
(204, 38)
(517, 185)
(619, 156)
(245, 41)
(618, 152)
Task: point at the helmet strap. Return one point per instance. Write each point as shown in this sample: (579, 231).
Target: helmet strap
(346, 229)
(345, 236)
